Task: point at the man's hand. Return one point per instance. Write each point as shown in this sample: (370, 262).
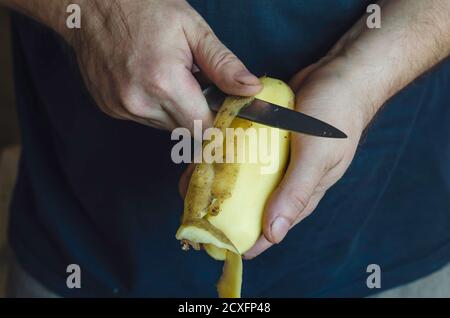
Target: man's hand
(346, 89)
(137, 58)
(316, 163)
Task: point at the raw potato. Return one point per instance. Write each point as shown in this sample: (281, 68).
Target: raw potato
(229, 285)
(225, 202)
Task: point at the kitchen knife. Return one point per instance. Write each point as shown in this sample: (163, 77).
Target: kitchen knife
(275, 116)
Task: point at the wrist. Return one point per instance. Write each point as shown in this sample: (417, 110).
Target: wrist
(59, 23)
(364, 86)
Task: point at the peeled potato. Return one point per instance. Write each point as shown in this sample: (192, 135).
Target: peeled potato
(225, 202)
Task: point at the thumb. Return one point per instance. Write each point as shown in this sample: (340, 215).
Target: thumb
(291, 198)
(219, 64)
(301, 76)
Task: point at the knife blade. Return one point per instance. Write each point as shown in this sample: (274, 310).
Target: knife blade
(276, 116)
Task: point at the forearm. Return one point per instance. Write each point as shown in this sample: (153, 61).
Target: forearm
(415, 36)
(49, 12)
(100, 18)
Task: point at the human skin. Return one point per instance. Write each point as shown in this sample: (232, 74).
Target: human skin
(137, 66)
(346, 88)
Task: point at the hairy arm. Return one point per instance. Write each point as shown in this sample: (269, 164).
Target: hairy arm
(346, 88)
(137, 65)
(49, 12)
(414, 36)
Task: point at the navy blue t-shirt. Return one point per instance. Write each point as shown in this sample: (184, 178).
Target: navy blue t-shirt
(102, 193)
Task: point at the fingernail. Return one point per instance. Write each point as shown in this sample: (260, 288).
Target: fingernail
(246, 78)
(279, 228)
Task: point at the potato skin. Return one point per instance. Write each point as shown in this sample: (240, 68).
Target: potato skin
(225, 202)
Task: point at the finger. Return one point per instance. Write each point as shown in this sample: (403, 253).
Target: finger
(261, 245)
(184, 180)
(158, 119)
(312, 205)
(300, 77)
(103, 102)
(219, 63)
(179, 96)
(293, 194)
(190, 104)
(137, 104)
(153, 118)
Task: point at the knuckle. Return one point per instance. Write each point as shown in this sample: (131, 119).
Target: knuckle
(298, 199)
(128, 99)
(109, 108)
(111, 113)
(217, 54)
(322, 187)
(222, 58)
(193, 113)
(133, 102)
(203, 32)
(159, 83)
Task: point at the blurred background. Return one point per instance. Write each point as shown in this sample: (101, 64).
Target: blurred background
(9, 139)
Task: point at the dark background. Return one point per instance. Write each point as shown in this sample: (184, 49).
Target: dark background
(9, 138)
(8, 122)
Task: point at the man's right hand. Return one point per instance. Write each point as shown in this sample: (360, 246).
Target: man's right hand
(137, 59)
